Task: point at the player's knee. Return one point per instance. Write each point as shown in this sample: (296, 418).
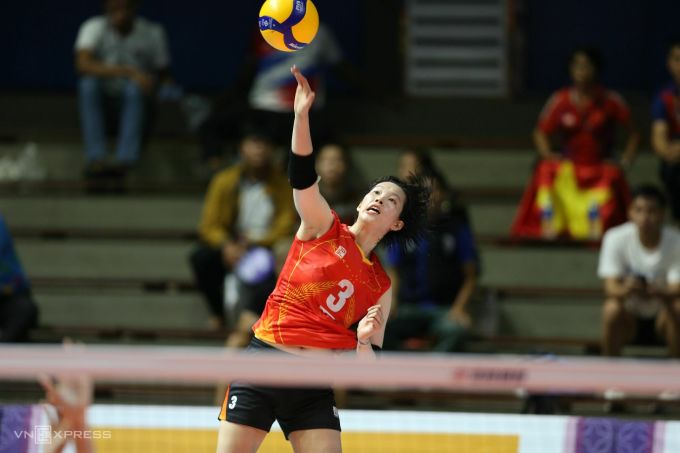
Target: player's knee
(612, 310)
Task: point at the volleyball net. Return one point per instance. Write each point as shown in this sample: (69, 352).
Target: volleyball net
(149, 399)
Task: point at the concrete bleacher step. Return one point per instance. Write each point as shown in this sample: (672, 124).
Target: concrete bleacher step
(549, 316)
(483, 168)
(167, 260)
(492, 220)
(178, 213)
(130, 309)
(539, 267)
(161, 161)
(106, 259)
(171, 161)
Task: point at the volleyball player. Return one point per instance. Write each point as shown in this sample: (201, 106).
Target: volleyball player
(331, 280)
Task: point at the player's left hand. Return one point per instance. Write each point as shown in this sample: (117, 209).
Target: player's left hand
(370, 323)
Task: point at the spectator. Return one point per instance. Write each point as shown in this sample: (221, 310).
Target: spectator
(121, 59)
(265, 89)
(577, 190)
(666, 131)
(640, 266)
(339, 180)
(18, 311)
(434, 281)
(248, 206)
(415, 161)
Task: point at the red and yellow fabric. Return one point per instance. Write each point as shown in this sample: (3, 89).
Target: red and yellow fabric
(585, 132)
(567, 199)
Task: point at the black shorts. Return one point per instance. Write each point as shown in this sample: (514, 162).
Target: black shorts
(295, 408)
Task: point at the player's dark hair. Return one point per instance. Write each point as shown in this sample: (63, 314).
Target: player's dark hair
(414, 212)
(650, 192)
(592, 54)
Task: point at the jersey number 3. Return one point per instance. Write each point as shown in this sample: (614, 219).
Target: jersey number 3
(334, 303)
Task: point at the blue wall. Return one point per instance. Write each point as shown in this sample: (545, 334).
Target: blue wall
(207, 38)
(632, 34)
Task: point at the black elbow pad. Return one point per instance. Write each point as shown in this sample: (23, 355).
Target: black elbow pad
(301, 171)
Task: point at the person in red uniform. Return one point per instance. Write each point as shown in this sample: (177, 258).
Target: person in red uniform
(331, 281)
(583, 117)
(575, 138)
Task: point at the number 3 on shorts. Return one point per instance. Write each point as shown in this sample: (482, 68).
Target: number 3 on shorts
(347, 290)
(232, 403)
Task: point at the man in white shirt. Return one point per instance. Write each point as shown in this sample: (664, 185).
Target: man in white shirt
(121, 58)
(640, 266)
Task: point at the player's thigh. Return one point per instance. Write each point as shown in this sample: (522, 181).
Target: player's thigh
(316, 440)
(235, 438)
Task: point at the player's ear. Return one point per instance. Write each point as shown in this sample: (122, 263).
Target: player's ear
(398, 225)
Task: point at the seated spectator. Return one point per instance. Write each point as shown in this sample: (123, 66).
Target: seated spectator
(18, 311)
(248, 206)
(577, 190)
(415, 161)
(265, 89)
(640, 266)
(434, 281)
(121, 59)
(666, 131)
(340, 180)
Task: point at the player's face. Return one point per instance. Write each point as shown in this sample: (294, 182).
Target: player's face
(382, 206)
(330, 164)
(646, 214)
(674, 63)
(582, 70)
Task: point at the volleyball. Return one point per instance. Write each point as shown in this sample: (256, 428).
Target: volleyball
(288, 25)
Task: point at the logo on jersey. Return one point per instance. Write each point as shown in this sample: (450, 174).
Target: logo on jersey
(341, 252)
(335, 412)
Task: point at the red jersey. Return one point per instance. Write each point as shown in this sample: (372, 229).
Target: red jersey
(587, 132)
(325, 286)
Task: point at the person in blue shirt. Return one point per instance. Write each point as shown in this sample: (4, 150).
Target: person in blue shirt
(434, 281)
(18, 312)
(666, 131)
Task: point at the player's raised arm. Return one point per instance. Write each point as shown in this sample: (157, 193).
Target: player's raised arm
(311, 206)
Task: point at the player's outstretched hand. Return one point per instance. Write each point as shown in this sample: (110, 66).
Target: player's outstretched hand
(304, 96)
